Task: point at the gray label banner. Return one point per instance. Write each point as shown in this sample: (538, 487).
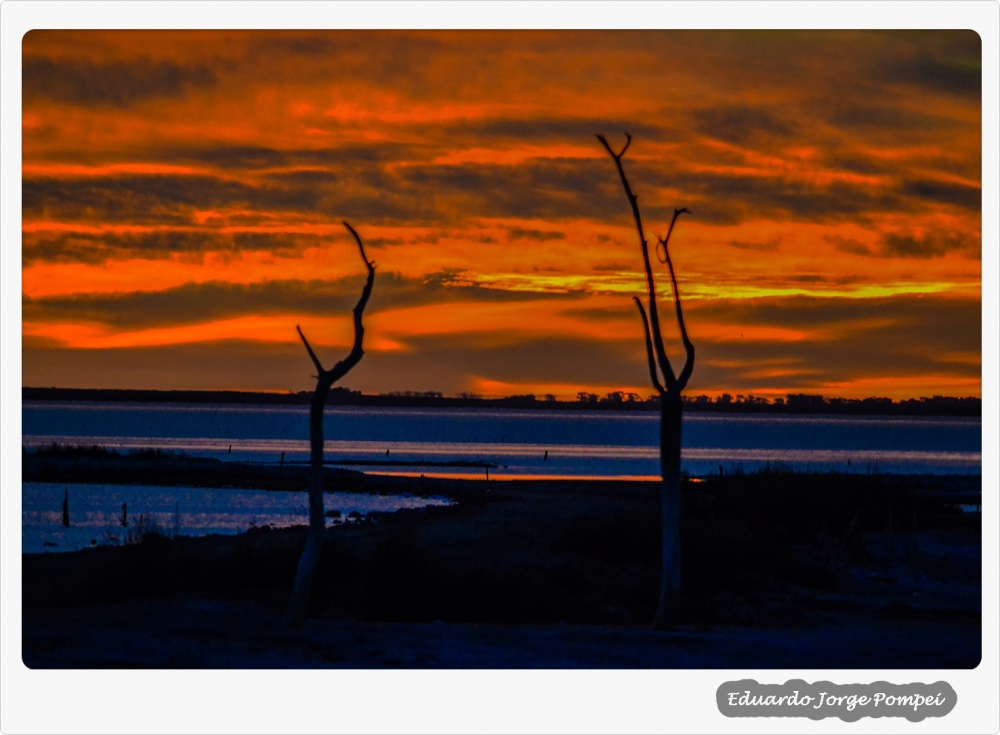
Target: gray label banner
(849, 702)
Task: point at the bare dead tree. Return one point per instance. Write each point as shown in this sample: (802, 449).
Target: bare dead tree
(669, 390)
(324, 381)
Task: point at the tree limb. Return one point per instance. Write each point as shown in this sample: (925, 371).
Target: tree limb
(316, 362)
(688, 345)
(331, 376)
(356, 353)
(649, 347)
(654, 317)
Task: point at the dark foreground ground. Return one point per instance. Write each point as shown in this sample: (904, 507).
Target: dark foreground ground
(781, 570)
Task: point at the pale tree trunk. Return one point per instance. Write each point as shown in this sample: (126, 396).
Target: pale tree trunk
(670, 403)
(317, 516)
(299, 602)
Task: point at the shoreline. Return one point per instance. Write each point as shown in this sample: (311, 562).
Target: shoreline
(781, 570)
(96, 464)
(791, 404)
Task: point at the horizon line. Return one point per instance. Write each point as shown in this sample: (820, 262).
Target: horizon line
(539, 398)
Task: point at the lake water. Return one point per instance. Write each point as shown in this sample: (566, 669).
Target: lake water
(96, 512)
(509, 444)
(518, 444)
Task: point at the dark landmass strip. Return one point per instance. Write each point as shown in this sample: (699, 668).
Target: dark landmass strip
(99, 465)
(796, 403)
(781, 570)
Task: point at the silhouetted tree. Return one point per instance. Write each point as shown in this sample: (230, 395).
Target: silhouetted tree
(324, 380)
(670, 402)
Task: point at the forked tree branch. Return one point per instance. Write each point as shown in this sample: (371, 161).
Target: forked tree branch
(342, 367)
(654, 317)
(331, 376)
(664, 243)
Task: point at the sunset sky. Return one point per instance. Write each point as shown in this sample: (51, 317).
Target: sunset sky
(183, 194)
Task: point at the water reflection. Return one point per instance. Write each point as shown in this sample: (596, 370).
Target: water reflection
(96, 513)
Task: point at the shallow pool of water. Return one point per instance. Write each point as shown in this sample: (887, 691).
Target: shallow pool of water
(116, 514)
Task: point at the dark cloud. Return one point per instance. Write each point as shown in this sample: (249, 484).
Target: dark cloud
(921, 246)
(85, 246)
(115, 83)
(297, 43)
(557, 130)
(875, 116)
(233, 157)
(412, 195)
(945, 192)
(240, 157)
(542, 188)
(913, 172)
(827, 280)
(850, 246)
(255, 158)
(197, 302)
(948, 63)
(911, 321)
(765, 247)
(395, 59)
(354, 182)
(386, 242)
(137, 199)
(204, 302)
(742, 124)
(849, 160)
(520, 233)
(730, 198)
(929, 245)
(93, 248)
(721, 198)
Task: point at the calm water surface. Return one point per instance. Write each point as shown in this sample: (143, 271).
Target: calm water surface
(513, 444)
(96, 511)
(518, 443)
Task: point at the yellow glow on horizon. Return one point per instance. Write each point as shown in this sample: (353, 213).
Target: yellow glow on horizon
(846, 291)
(633, 284)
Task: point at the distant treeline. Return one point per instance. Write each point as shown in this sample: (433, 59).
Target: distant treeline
(793, 403)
